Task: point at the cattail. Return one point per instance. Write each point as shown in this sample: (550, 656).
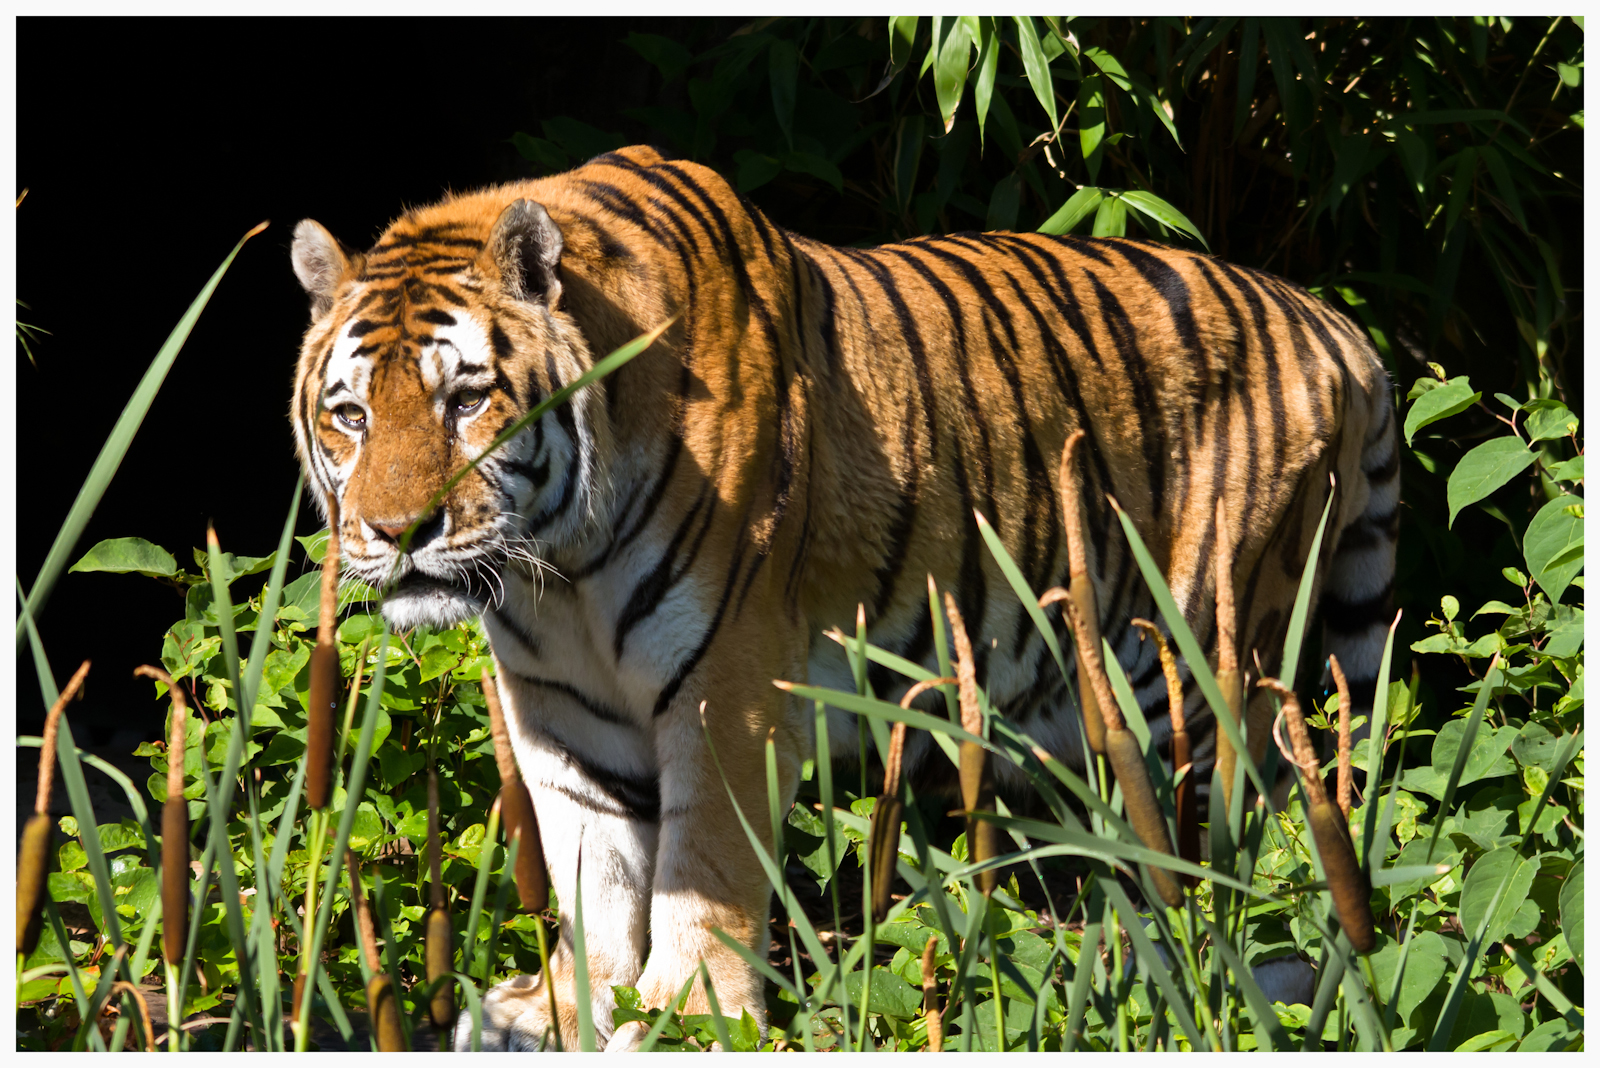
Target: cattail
(385, 1014)
(323, 700)
(977, 778)
(883, 837)
(1351, 892)
(174, 828)
(38, 835)
(1081, 593)
(1127, 763)
(441, 953)
(1228, 678)
(439, 942)
(516, 808)
(1185, 802)
(930, 997)
(1347, 783)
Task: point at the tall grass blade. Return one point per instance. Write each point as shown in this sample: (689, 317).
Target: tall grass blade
(580, 966)
(1025, 594)
(1193, 655)
(1154, 967)
(1302, 602)
(1491, 678)
(1371, 852)
(718, 1024)
(116, 446)
(1269, 1032)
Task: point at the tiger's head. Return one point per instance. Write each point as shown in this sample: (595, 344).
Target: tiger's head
(420, 352)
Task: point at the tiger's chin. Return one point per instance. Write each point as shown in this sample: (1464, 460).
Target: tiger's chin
(421, 600)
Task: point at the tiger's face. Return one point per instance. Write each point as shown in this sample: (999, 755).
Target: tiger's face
(420, 354)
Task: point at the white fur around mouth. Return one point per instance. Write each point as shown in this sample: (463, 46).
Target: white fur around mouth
(420, 600)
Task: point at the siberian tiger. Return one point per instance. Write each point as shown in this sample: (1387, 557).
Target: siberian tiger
(814, 432)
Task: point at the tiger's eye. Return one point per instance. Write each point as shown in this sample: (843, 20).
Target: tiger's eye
(351, 415)
(469, 399)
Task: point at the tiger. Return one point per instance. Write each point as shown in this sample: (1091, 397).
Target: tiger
(813, 434)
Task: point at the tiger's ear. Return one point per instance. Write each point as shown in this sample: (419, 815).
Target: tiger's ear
(321, 263)
(524, 248)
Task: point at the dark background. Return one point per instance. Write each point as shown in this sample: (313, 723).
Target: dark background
(148, 147)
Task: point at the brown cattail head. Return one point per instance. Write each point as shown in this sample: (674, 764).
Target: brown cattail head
(296, 995)
(1349, 888)
(966, 669)
(1092, 669)
(1081, 595)
(322, 703)
(930, 997)
(1144, 811)
(516, 809)
(883, 841)
(977, 795)
(1346, 773)
(385, 1014)
(365, 933)
(174, 827)
(1185, 801)
(977, 778)
(1351, 892)
(441, 953)
(33, 876)
(52, 727)
(1227, 618)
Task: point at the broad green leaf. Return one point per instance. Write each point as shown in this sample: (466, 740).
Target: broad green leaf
(1109, 65)
(1486, 760)
(1568, 470)
(902, 34)
(1037, 67)
(1549, 544)
(670, 57)
(952, 45)
(1572, 911)
(816, 166)
(1449, 399)
(1554, 421)
(1074, 211)
(1111, 220)
(1164, 213)
(1091, 122)
(1484, 470)
(123, 555)
(1424, 118)
(783, 71)
(1425, 962)
(988, 64)
(1484, 879)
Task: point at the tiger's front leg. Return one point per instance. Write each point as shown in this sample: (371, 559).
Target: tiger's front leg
(707, 876)
(596, 802)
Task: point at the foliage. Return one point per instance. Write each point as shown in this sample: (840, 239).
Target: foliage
(1425, 171)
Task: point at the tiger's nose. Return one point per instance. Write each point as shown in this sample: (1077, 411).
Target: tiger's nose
(391, 530)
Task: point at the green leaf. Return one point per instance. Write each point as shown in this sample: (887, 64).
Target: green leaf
(1111, 220)
(666, 55)
(1037, 68)
(1425, 118)
(124, 555)
(1109, 65)
(1549, 544)
(1484, 470)
(1553, 421)
(1091, 122)
(902, 35)
(816, 166)
(1571, 901)
(1153, 206)
(1445, 400)
(988, 64)
(952, 45)
(1568, 470)
(1484, 879)
(1425, 962)
(1074, 211)
(783, 65)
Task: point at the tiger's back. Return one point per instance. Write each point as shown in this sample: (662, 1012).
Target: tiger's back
(815, 431)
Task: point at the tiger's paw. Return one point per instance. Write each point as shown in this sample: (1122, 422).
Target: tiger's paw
(516, 1018)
